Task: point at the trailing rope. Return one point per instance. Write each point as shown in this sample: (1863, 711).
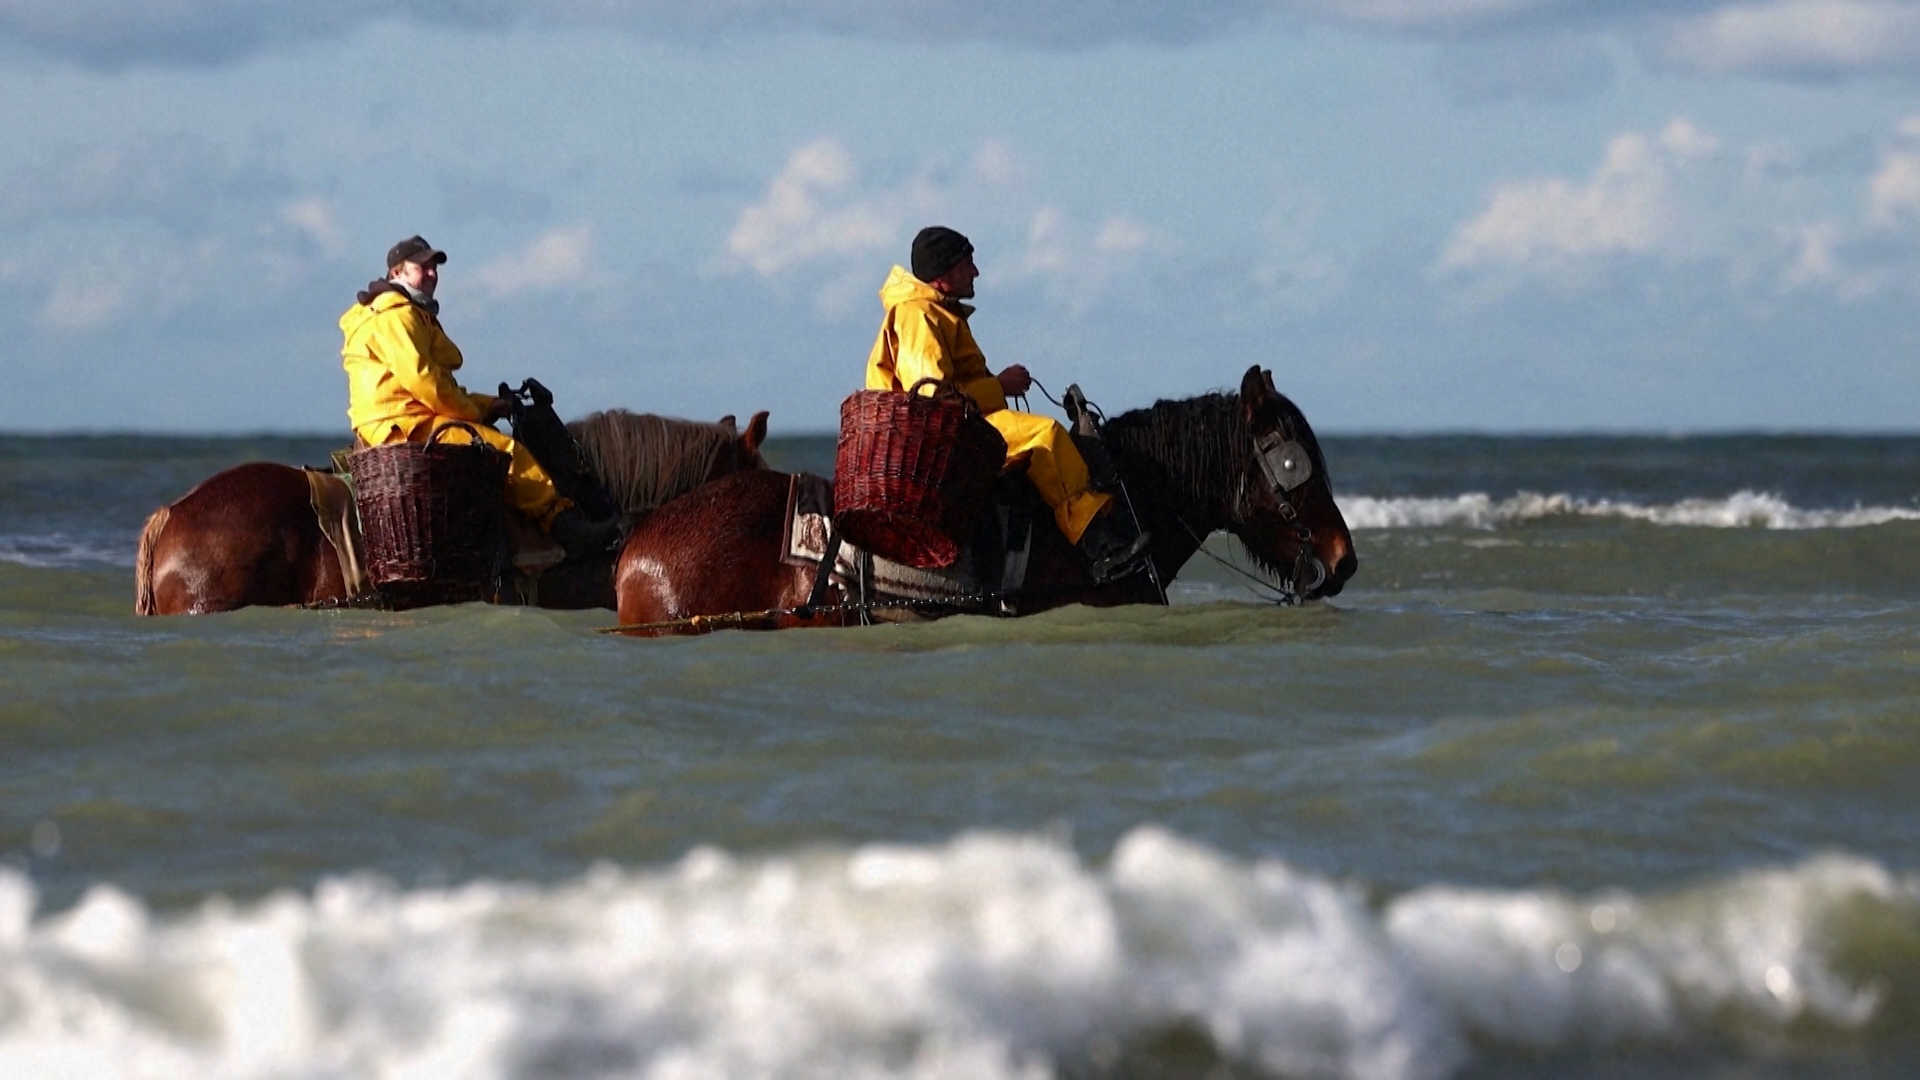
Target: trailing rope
(737, 620)
(980, 603)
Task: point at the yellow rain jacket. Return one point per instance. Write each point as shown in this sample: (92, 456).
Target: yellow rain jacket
(925, 336)
(400, 388)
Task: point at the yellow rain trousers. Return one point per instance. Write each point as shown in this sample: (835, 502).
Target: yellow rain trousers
(925, 336)
(400, 388)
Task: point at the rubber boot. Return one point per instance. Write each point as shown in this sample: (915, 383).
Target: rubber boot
(1114, 546)
(581, 536)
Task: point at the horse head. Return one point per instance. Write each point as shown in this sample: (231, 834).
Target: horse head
(743, 451)
(1287, 517)
(644, 460)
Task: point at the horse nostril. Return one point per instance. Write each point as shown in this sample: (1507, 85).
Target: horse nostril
(1345, 568)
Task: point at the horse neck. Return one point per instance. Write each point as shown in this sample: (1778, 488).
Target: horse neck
(1184, 468)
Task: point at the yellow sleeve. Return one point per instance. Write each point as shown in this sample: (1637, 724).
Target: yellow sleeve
(403, 340)
(986, 393)
(926, 353)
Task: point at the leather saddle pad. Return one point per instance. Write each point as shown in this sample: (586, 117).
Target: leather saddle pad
(809, 522)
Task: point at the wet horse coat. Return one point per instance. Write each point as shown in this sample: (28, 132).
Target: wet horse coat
(248, 535)
(1192, 468)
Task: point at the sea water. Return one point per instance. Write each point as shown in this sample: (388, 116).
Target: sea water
(1603, 765)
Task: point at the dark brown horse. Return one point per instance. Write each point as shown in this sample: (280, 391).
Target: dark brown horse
(249, 535)
(1192, 467)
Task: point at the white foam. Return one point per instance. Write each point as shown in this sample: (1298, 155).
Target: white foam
(58, 551)
(989, 956)
(1477, 510)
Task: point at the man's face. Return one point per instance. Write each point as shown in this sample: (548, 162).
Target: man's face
(421, 277)
(958, 282)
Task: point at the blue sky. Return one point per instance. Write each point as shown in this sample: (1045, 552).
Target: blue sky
(1541, 215)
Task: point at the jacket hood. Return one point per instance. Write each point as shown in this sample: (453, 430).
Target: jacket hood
(366, 309)
(902, 287)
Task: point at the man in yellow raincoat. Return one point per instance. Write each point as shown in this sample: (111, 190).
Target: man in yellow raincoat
(400, 384)
(925, 336)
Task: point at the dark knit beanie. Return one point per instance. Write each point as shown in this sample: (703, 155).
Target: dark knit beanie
(938, 249)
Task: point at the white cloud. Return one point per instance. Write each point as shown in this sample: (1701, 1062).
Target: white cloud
(1418, 14)
(822, 224)
(116, 33)
(179, 182)
(1785, 38)
(138, 230)
(1077, 264)
(812, 211)
(1816, 262)
(1293, 269)
(1047, 251)
(122, 281)
(1624, 209)
(1122, 236)
(819, 210)
(1895, 188)
(1792, 38)
(1683, 139)
(1757, 215)
(313, 218)
(556, 259)
(995, 164)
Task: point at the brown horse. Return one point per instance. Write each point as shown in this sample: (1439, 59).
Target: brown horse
(249, 535)
(1192, 467)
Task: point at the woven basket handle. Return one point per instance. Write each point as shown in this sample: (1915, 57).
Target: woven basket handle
(463, 426)
(947, 388)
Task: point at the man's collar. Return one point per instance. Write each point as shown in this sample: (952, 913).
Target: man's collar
(418, 297)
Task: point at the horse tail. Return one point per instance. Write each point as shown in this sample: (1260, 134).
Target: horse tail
(143, 602)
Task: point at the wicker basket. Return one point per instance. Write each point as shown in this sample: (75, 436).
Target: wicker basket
(913, 474)
(431, 512)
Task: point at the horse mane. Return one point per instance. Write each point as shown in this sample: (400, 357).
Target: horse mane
(1201, 448)
(644, 460)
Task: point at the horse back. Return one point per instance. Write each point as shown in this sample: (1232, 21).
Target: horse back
(241, 537)
(717, 548)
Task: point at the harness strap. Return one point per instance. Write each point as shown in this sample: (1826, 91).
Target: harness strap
(822, 578)
(867, 589)
(1017, 547)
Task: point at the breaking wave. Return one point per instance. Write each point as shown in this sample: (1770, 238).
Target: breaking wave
(1741, 510)
(990, 955)
(61, 552)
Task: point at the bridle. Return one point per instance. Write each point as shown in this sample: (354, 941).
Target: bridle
(1288, 467)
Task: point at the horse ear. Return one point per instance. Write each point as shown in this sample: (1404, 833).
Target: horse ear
(1267, 374)
(1253, 390)
(756, 432)
(727, 422)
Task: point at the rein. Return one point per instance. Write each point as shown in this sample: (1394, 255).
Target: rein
(1288, 467)
(1287, 596)
(1280, 455)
